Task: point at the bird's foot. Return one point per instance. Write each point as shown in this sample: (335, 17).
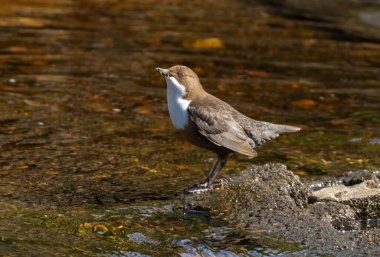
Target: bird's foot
(204, 187)
(198, 188)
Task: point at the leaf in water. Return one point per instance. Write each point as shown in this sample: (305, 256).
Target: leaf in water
(181, 167)
(87, 228)
(258, 73)
(144, 110)
(295, 85)
(32, 103)
(5, 87)
(310, 160)
(23, 21)
(304, 103)
(356, 161)
(116, 228)
(324, 162)
(99, 228)
(23, 166)
(148, 169)
(99, 106)
(31, 22)
(39, 62)
(339, 122)
(100, 176)
(309, 42)
(300, 172)
(84, 228)
(94, 97)
(204, 43)
(17, 49)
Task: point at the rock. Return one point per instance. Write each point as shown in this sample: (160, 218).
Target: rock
(279, 190)
(141, 238)
(363, 198)
(339, 215)
(270, 199)
(353, 178)
(341, 193)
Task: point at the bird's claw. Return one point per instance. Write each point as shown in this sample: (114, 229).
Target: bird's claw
(204, 187)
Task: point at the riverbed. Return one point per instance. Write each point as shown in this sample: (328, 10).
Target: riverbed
(90, 164)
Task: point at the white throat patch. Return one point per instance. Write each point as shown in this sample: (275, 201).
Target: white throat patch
(176, 104)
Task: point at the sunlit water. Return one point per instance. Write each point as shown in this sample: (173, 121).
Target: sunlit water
(89, 161)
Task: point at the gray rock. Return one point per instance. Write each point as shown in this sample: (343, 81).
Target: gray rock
(141, 238)
(270, 199)
(342, 193)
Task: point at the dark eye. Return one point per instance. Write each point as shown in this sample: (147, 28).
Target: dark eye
(181, 74)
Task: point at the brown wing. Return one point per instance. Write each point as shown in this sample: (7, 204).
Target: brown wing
(220, 128)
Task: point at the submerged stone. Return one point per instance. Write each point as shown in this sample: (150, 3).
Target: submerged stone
(271, 199)
(141, 238)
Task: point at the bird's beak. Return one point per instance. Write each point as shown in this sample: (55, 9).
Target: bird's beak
(163, 72)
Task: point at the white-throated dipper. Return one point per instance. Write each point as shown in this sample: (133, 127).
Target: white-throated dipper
(208, 122)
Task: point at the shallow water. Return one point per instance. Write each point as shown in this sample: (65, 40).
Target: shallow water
(88, 154)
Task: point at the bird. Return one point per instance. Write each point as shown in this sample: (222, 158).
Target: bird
(208, 122)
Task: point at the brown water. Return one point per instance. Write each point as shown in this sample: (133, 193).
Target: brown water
(89, 161)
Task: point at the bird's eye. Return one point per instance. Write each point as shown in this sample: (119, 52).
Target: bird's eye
(181, 74)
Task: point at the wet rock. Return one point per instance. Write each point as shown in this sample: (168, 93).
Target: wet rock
(357, 177)
(271, 199)
(348, 179)
(279, 190)
(341, 193)
(360, 190)
(339, 215)
(374, 141)
(126, 254)
(141, 238)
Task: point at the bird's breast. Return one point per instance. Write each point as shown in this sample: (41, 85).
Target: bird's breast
(177, 105)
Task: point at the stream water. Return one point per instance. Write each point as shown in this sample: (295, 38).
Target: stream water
(90, 164)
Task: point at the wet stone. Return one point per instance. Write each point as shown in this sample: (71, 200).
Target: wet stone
(341, 193)
(374, 141)
(126, 254)
(270, 198)
(141, 238)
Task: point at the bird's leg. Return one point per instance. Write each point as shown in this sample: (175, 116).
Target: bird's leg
(212, 172)
(197, 188)
(212, 176)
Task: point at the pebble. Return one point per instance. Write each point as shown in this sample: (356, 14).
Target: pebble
(374, 141)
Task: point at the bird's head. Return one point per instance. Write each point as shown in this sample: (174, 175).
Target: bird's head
(183, 77)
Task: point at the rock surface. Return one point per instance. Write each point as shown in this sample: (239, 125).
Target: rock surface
(270, 199)
(341, 193)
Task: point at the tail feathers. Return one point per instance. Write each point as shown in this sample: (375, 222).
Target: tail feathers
(286, 129)
(262, 132)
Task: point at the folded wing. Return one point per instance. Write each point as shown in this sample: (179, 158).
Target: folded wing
(220, 128)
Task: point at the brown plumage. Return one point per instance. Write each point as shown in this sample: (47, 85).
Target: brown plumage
(212, 123)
